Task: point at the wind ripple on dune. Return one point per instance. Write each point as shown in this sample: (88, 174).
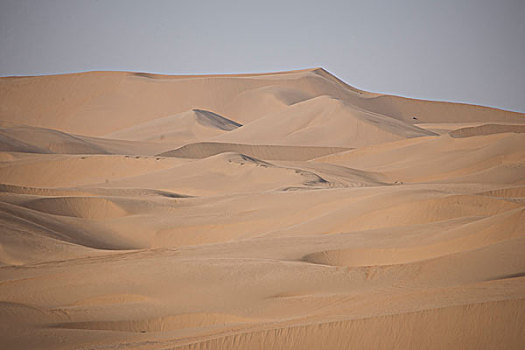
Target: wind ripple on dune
(162, 324)
(458, 326)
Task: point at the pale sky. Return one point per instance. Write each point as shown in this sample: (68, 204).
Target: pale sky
(469, 51)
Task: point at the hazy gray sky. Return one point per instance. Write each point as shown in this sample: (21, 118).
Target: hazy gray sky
(458, 50)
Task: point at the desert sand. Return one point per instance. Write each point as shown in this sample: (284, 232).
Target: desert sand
(258, 211)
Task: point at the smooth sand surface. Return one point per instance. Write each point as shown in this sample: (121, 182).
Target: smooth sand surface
(256, 211)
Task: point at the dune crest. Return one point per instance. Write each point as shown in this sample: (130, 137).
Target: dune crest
(84, 207)
(323, 121)
(190, 126)
(284, 210)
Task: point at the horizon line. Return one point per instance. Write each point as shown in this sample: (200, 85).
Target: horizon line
(247, 74)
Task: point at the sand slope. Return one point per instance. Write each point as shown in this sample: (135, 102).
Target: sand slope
(258, 211)
(268, 152)
(98, 103)
(323, 121)
(495, 158)
(190, 126)
(28, 139)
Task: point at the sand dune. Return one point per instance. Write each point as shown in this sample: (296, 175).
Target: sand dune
(459, 331)
(88, 207)
(66, 170)
(97, 103)
(282, 210)
(489, 231)
(39, 140)
(487, 129)
(436, 112)
(323, 121)
(191, 126)
(509, 193)
(231, 172)
(267, 152)
(162, 324)
(494, 159)
(254, 103)
(28, 139)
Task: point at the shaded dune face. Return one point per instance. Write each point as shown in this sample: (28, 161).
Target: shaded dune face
(82, 207)
(256, 211)
(323, 121)
(163, 324)
(487, 129)
(179, 129)
(40, 140)
(214, 120)
(270, 152)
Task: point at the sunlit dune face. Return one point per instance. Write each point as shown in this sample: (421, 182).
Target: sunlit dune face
(267, 211)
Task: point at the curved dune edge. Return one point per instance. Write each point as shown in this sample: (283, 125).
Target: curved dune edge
(112, 299)
(18, 312)
(162, 324)
(190, 126)
(487, 129)
(82, 207)
(92, 192)
(41, 191)
(401, 211)
(266, 152)
(163, 95)
(41, 140)
(509, 192)
(185, 76)
(364, 229)
(496, 159)
(323, 120)
(227, 173)
(479, 234)
(490, 325)
(59, 171)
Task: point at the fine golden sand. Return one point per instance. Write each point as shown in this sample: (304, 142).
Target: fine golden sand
(258, 211)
